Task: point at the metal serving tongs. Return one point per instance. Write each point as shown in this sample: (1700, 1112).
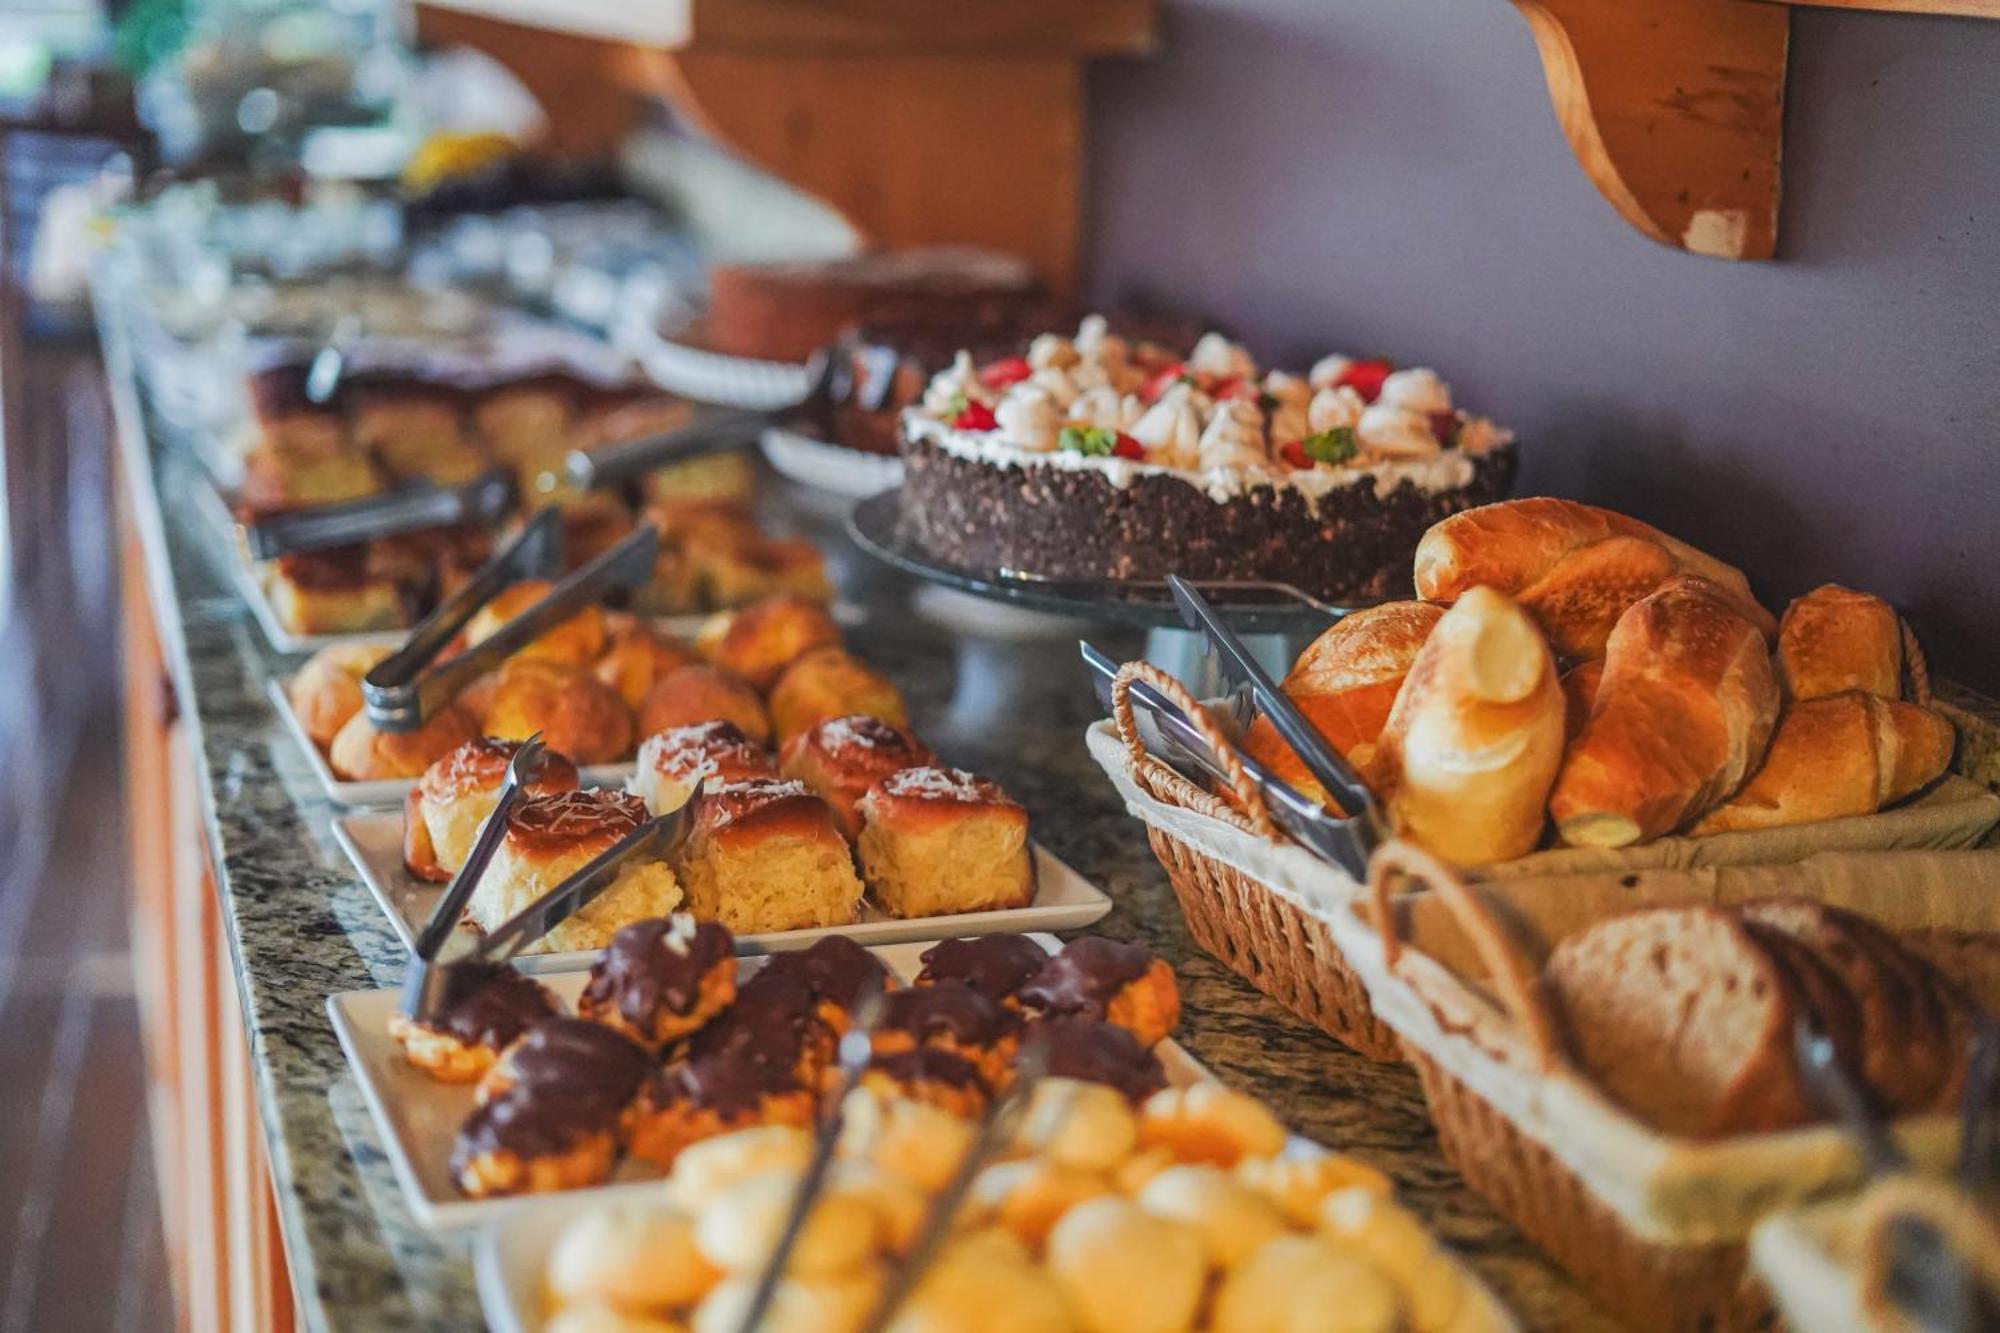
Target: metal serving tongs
(485, 499)
(398, 691)
(1931, 1284)
(433, 985)
(833, 379)
(857, 1048)
(993, 1135)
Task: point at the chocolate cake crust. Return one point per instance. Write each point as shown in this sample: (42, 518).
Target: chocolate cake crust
(1347, 543)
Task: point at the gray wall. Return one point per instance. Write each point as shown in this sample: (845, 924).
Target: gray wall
(1387, 175)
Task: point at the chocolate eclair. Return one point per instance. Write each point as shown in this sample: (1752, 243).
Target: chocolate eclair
(715, 1094)
(996, 966)
(838, 972)
(660, 979)
(931, 1076)
(586, 1062)
(951, 1017)
(1094, 1051)
(1095, 977)
(776, 1021)
(532, 1139)
(463, 1042)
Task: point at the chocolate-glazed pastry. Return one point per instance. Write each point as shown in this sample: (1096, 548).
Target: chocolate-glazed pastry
(1094, 1052)
(467, 1038)
(586, 1063)
(774, 1020)
(661, 979)
(953, 1018)
(715, 1094)
(1095, 977)
(838, 972)
(532, 1139)
(935, 1077)
(996, 966)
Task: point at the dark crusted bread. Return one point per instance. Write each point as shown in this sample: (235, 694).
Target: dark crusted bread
(1970, 959)
(1818, 988)
(1681, 1016)
(1902, 1054)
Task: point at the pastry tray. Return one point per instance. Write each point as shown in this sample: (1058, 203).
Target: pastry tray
(1064, 900)
(851, 474)
(391, 791)
(418, 1117)
(248, 581)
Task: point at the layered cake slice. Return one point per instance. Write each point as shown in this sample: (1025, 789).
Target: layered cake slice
(1097, 458)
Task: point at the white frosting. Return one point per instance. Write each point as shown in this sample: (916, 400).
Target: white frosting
(1106, 407)
(1171, 429)
(1029, 418)
(1235, 437)
(1444, 470)
(1215, 355)
(1478, 436)
(1057, 384)
(1419, 390)
(1095, 342)
(949, 387)
(1333, 408)
(1328, 369)
(1287, 390)
(1052, 351)
(1396, 431)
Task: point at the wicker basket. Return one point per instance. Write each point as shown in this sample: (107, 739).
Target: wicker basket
(1653, 1227)
(1259, 931)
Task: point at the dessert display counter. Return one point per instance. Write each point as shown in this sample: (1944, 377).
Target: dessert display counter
(283, 1205)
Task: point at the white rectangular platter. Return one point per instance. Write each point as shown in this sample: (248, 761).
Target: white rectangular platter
(418, 1117)
(1064, 900)
(391, 791)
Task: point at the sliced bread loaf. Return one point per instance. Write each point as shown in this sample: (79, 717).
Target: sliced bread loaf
(1683, 1017)
(1901, 1053)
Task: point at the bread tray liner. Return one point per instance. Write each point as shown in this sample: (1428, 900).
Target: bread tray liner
(1669, 1191)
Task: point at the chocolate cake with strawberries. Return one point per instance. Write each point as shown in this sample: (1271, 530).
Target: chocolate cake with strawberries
(1095, 457)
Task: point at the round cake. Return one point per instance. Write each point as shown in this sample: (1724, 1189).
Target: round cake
(1094, 458)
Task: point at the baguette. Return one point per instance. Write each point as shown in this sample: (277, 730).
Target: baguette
(1580, 684)
(1345, 682)
(1465, 760)
(1686, 706)
(1836, 756)
(1834, 639)
(1574, 567)
(1681, 1015)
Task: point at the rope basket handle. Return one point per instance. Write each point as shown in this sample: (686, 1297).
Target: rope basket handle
(1915, 664)
(1248, 797)
(1510, 973)
(1964, 1228)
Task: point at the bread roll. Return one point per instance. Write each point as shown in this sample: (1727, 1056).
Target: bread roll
(576, 641)
(1683, 714)
(1345, 683)
(360, 753)
(842, 757)
(691, 695)
(764, 856)
(635, 659)
(936, 841)
(334, 592)
(1835, 756)
(1465, 761)
(672, 763)
(760, 641)
(1834, 639)
(458, 792)
(831, 682)
(550, 838)
(327, 690)
(1574, 567)
(575, 712)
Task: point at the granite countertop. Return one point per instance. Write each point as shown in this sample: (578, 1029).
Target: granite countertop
(1009, 700)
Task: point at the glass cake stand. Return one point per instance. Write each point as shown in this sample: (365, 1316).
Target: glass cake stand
(1276, 620)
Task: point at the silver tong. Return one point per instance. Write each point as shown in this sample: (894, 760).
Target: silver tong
(838, 373)
(400, 694)
(992, 1137)
(857, 1048)
(1932, 1285)
(432, 985)
(486, 498)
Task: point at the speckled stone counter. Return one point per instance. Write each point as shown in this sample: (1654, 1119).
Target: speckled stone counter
(1009, 700)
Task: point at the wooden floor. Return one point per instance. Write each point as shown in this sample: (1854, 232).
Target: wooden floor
(80, 1243)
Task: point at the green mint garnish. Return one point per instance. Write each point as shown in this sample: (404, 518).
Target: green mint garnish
(1090, 441)
(1331, 446)
(958, 402)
